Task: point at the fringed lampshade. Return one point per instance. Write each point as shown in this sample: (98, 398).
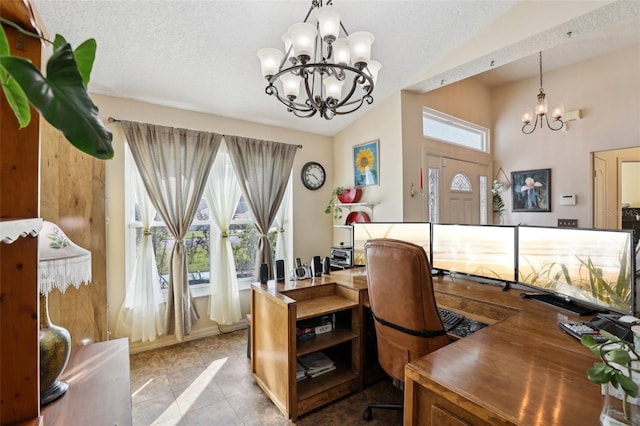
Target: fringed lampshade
(62, 263)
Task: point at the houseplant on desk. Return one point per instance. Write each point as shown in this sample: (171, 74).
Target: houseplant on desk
(618, 371)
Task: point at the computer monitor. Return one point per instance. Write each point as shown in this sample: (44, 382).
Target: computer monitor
(415, 232)
(589, 267)
(486, 251)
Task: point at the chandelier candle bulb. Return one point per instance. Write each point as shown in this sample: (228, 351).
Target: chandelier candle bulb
(373, 68)
(270, 60)
(291, 86)
(328, 23)
(341, 52)
(558, 112)
(527, 116)
(360, 44)
(333, 87)
(303, 36)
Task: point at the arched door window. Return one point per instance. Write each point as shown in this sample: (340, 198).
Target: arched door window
(461, 182)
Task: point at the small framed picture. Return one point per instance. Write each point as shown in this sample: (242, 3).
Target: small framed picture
(531, 190)
(366, 164)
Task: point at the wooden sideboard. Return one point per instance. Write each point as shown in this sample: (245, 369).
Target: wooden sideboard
(521, 370)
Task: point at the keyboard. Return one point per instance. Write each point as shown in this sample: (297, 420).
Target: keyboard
(579, 329)
(449, 318)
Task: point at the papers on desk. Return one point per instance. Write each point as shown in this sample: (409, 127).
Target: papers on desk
(313, 365)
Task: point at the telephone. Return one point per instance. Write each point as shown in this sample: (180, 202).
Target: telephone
(300, 272)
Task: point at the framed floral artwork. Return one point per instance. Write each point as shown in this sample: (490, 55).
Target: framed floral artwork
(531, 190)
(366, 164)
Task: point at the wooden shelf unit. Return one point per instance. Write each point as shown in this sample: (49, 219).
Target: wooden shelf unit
(275, 347)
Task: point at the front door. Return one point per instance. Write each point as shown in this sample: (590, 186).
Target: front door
(459, 191)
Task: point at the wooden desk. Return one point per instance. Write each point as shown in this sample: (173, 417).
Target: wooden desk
(275, 309)
(99, 387)
(521, 370)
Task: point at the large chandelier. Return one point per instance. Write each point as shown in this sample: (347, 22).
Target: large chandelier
(540, 109)
(323, 58)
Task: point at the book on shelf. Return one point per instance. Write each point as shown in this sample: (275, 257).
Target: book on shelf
(316, 363)
(309, 328)
(301, 372)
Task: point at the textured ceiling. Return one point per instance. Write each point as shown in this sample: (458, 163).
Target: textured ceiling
(201, 55)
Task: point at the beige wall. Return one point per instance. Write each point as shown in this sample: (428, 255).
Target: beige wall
(631, 183)
(312, 228)
(607, 91)
(381, 122)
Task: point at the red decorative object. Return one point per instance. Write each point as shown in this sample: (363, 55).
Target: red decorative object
(349, 196)
(357, 217)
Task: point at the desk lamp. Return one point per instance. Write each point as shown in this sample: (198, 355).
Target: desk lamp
(62, 263)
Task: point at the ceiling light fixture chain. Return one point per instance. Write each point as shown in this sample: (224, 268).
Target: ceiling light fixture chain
(540, 110)
(326, 58)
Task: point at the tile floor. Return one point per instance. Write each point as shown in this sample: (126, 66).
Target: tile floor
(208, 382)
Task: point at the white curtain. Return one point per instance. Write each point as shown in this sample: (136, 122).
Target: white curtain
(282, 244)
(174, 165)
(222, 194)
(142, 314)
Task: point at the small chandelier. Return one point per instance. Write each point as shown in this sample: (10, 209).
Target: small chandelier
(323, 61)
(540, 109)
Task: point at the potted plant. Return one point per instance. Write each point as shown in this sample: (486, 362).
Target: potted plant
(618, 372)
(342, 195)
(333, 207)
(61, 97)
(498, 203)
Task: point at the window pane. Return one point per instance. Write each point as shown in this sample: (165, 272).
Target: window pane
(445, 128)
(244, 243)
(196, 244)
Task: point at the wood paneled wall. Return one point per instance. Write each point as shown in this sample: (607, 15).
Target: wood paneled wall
(72, 195)
(19, 152)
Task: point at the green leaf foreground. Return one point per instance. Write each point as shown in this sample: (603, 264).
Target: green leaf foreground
(61, 98)
(613, 353)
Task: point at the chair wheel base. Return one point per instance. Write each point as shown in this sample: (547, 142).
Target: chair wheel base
(367, 414)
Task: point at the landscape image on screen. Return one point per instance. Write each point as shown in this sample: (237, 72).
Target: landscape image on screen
(417, 233)
(484, 251)
(593, 266)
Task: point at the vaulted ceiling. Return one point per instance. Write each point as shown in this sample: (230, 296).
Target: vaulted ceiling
(201, 55)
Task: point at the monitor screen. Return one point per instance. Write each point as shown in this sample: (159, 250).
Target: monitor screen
(584, 265)
(479, 250)
(417, 233)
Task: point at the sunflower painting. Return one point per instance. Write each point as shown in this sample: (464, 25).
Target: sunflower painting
(365, 164)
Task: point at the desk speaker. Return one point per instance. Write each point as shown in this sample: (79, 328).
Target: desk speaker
(264, 273)
(326, 266)
(279, 270)
(316, 266)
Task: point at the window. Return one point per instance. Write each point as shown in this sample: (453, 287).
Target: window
(449, 129)
(461, 182)
(242, 233)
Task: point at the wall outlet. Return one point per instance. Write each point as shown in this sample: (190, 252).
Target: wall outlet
(567, 223)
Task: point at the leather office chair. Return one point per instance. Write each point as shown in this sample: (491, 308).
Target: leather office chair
(403, 305)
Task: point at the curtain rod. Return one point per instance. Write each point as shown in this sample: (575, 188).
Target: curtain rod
(115, 120)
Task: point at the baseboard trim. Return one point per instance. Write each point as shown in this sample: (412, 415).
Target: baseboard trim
(164, 341)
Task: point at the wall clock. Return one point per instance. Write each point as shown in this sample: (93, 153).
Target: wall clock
(313, 175)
